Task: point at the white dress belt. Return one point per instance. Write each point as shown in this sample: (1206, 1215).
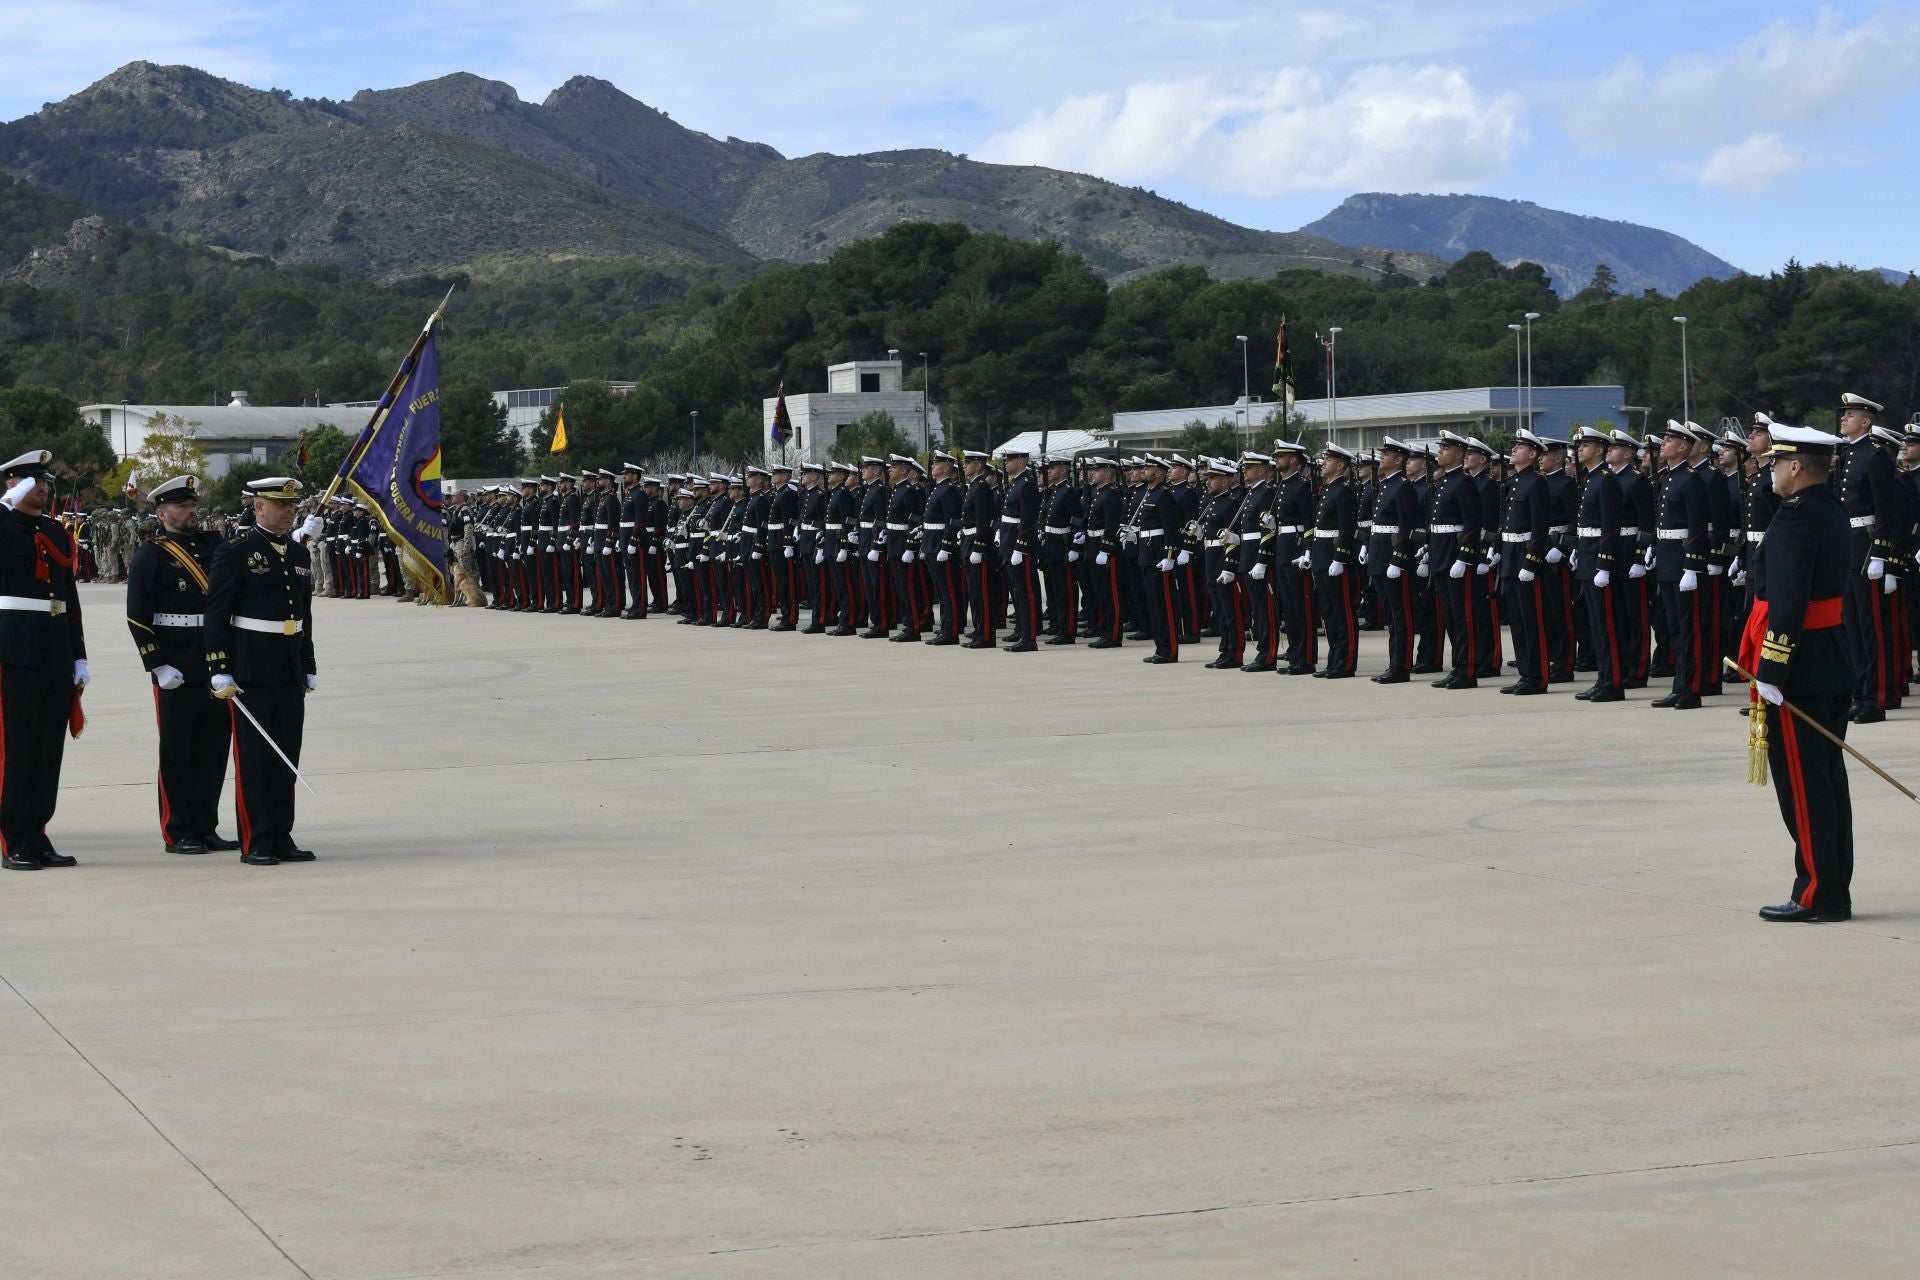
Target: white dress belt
(285, 627)
(1386, 528)
(1558, 528)
(933, 525)
(749, 528)
(772, 527)
(1445, 528)
(1588, 532)
(970, 531)
(1059, 529)
(29, 604)
(1863, 522)
(896, 527)
(836, 527)
(1326, 533)
(1515, 537)
(1288, 528)
(1153, 533)
(178, 619)
(1009, 519)
(1754, 535)
(1674, 535)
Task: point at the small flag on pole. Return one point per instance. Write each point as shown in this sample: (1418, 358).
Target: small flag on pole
(782, 423)
(133, 483)
(559, 444)
(1283, 369)
(303, 454)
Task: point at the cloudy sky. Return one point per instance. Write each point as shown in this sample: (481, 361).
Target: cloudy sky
(1759, 130)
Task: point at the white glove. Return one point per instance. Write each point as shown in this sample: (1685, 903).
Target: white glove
(1483, 568)
(1738, 579)
(1459, 570)
(1335, 569)
(1100, 559)
(1079, 537)
(1888, 584)
(839, 557)
(1714, 571)
(1602, 579)
(313, 682)
(1526, 575)
(786, 553)
(1184, 558)
(1493, 561)
(1771, 692)
(224, 687)
(632, 548)
(1393, 571)
(1073, 557)
(1018, 557)
(1423, 553)
(1636, 571)
(1689, 581)
(1423, 569)
(1876, 568)
(516, 556)
(906, 557)
(80, 676)
(943, 556)
(756, 555)
(1554, 555)
(1231, 538)
(874, 555)
(820, 557)
(607, 551)
(309, 529)
(973, 557)
(708, 559)
(1259, 572)
(18, 493)
(168, 677)
(1363, 555)
(1226, 578)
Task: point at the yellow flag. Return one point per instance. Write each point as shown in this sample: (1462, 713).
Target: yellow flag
(559, 433)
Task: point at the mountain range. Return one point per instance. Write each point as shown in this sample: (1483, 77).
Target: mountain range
(459, 173)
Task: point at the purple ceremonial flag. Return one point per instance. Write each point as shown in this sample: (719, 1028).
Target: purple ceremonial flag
(395, 468)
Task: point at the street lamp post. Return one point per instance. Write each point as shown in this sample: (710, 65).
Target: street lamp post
(1518, 384)
(926, 405)
(1686, 374)
(695, 414)
(1333, 384)
(1245, 415)
(1531, 317)
(123, 427)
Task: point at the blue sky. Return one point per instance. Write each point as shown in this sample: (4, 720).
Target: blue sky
(1759, 130)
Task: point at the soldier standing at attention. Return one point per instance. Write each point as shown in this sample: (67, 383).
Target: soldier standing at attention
(1255, 543)
(43, 661)
(1388, 556)
(1018, 534)
(1156, 516)
(166, 600)
(1805, 659)
(1867, 490)
(1524, 540)
(259, 634)
(1680, 560)
(1333, 552)
(1219, 542)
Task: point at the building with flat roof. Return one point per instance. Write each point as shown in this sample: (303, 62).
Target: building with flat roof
(854, 390)
(228, 433)
(1361, 422)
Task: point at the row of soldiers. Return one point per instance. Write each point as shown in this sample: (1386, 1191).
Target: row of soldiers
(1631, 559)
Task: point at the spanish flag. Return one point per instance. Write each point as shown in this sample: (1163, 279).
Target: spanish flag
(559, 432)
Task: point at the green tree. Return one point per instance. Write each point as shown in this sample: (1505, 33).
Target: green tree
(326, 445)
(1218, 441)
(223, 494)
(475, 439)
(874, 434)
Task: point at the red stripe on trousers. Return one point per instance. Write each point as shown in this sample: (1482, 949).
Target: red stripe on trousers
(239, 786)
(166, 806)
(1797, 786)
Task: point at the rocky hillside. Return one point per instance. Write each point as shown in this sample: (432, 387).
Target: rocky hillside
(1568, 245)
(458, 171)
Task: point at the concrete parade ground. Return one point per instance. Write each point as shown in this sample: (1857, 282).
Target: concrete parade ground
(641, 950)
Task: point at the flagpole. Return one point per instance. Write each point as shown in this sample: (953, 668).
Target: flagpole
(353, 455)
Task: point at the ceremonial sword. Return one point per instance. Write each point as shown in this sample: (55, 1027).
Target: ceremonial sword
(268, 738)
(1828, 734)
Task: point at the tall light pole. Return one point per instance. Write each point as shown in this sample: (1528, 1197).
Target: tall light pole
(123, 427)
(1686, 374)
(1244, 416)
(1333, 384)
(926, 406)
(1531, 317)
(1518, 384)
(695, 414)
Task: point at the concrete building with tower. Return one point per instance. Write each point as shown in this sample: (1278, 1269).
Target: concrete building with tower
(854, 390)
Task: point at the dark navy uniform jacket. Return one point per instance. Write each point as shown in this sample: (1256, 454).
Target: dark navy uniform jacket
(1808, 563)
(162, 592)
(268, 580)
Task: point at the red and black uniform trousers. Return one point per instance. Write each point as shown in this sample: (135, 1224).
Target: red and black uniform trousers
(1809, 772)
(196, 733)
(38, 647)
(1874, 624)
(1339, 601)
(985, 589)
(1455, 602)
(1102, 587)
(1396, 602)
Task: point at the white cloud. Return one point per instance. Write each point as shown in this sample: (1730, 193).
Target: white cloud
(1751, 164)
(1786, 77)
(51, 52)
(1383, 126)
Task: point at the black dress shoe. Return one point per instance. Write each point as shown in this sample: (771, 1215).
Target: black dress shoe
(259, 859)
(219, 845)
(905, 637)
(1633, 684)
(189, 845)
(843, 631)
(1025, 646)
(1189, 639)
(1559, 677)
(756, 626)
(1469, 682)
(1298, 669)
(1510, 688)
(1585, 694)
(1607, 695)
(1339, 675)
(291, 854)
(51, 857)
(1138, 635)
(1794, 913)
(1392, 677)
(785, 626)
(21, 862)
(1526, 690)
(1219, 664)
(1105, 643)
(1689, 703)
(1442, 682)
(1425, 669)
(1671, 700)
(1157, 659)
(978, 644)
(1258, 666)
(813, 631)
(1321, 675)
(1059, 639)
(1660, 672)
(940, 642)
(1868, 716)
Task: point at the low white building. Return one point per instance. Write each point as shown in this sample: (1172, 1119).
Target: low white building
(854, 390)
(228, 433)
(525, 406)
